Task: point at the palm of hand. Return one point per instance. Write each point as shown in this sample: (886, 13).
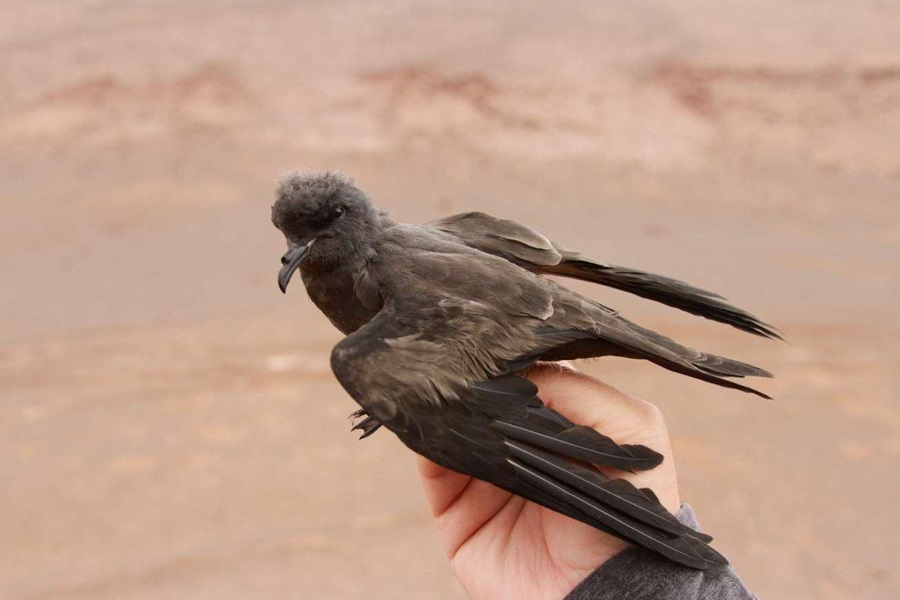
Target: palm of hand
(502, 546)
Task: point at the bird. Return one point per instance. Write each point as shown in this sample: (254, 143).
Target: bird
(440, 320)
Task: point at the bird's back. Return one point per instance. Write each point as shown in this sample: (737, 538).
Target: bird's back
(414, 260)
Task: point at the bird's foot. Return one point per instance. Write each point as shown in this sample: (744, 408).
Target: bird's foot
(368, 425)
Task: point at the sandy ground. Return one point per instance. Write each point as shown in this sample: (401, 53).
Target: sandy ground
(169, 427)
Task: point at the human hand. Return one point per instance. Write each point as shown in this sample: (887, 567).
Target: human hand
(503, 546)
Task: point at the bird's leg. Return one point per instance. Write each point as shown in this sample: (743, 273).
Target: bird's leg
(368, 425)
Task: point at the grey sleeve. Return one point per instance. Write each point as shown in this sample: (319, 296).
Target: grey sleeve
(638, 574)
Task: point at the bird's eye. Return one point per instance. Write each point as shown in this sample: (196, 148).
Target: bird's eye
(338, 212)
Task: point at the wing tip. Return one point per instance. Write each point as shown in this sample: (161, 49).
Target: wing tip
(668, 291)
(684, 547)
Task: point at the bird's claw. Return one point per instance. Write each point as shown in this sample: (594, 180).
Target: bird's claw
(368, 425)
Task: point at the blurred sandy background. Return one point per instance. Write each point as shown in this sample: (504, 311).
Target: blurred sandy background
(169, 426)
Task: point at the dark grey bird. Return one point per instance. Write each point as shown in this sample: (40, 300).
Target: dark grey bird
(439, 320)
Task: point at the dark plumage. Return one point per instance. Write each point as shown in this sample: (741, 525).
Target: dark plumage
(440, 318)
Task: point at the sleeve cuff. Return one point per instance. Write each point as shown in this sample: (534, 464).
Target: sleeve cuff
(639, 574)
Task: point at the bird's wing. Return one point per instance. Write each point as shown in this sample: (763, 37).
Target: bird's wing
(435, 370)
(531, 250)
(518, 313)
(501, 237)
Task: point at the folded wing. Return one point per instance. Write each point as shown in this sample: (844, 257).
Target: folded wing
(496, 428)
(531, 250)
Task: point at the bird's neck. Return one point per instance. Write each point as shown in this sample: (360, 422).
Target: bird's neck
(344, 294)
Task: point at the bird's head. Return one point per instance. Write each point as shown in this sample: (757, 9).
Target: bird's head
(325, 219)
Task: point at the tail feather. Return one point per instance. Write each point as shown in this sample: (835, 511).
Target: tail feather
(709, 363)
(714, 369)
(635, 341)
(703, 375)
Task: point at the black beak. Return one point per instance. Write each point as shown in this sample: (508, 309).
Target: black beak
(291, 261)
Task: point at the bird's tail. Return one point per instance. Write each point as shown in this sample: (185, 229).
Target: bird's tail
(668, 353)
(610, 334)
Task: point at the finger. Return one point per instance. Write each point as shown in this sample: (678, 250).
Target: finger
(588, 401)
(626, 419)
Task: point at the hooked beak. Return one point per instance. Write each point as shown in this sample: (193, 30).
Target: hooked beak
(291, 261)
